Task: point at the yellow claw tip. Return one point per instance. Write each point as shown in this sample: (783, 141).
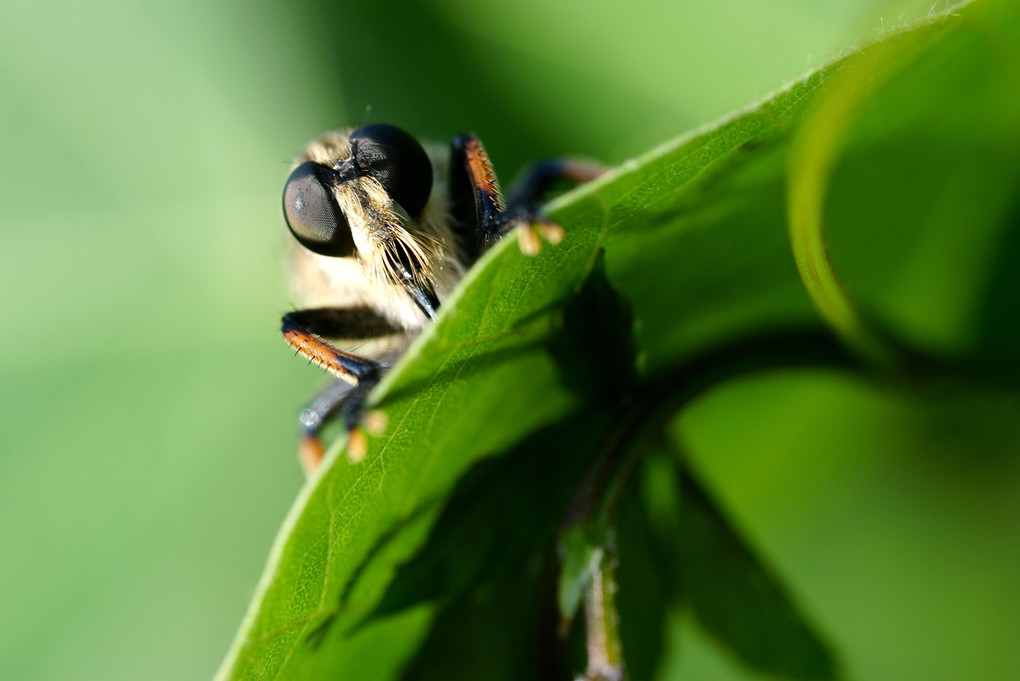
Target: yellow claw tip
(528, 240)
(310, 454)
(357, 446)
(375, 422)
(551, 232)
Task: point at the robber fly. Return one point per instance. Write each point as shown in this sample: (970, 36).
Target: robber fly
(383, 229)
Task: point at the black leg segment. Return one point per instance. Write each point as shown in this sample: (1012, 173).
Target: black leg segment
(480, 213)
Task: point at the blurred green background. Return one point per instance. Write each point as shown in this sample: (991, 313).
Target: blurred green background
(148, 404)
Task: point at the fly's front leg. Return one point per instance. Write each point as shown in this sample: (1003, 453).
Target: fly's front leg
(475, 198)
(305, 331)
(472, 176)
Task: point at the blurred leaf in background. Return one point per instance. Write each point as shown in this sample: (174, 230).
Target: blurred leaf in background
(148, 404)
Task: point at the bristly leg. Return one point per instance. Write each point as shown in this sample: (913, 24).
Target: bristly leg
(472, 175)
(475, 198)
(304, 331)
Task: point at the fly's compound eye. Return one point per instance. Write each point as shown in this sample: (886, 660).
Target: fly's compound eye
(312, 213)
(397, 161)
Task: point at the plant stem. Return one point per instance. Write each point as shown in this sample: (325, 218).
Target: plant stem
(602, 624)
(647, 411)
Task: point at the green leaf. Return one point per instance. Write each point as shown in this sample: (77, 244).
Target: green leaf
(508, 632)
(647, 570)
(694, 237)
(738, 599)
(488, 530)
(814, 152)
(581, 552)
(903, 182)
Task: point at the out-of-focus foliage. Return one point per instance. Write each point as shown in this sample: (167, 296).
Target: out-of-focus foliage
(148, 404)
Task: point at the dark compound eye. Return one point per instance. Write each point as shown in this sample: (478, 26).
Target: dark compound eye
(397, 161)
(312, 212)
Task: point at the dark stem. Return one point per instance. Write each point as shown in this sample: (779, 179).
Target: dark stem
(641, 421)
